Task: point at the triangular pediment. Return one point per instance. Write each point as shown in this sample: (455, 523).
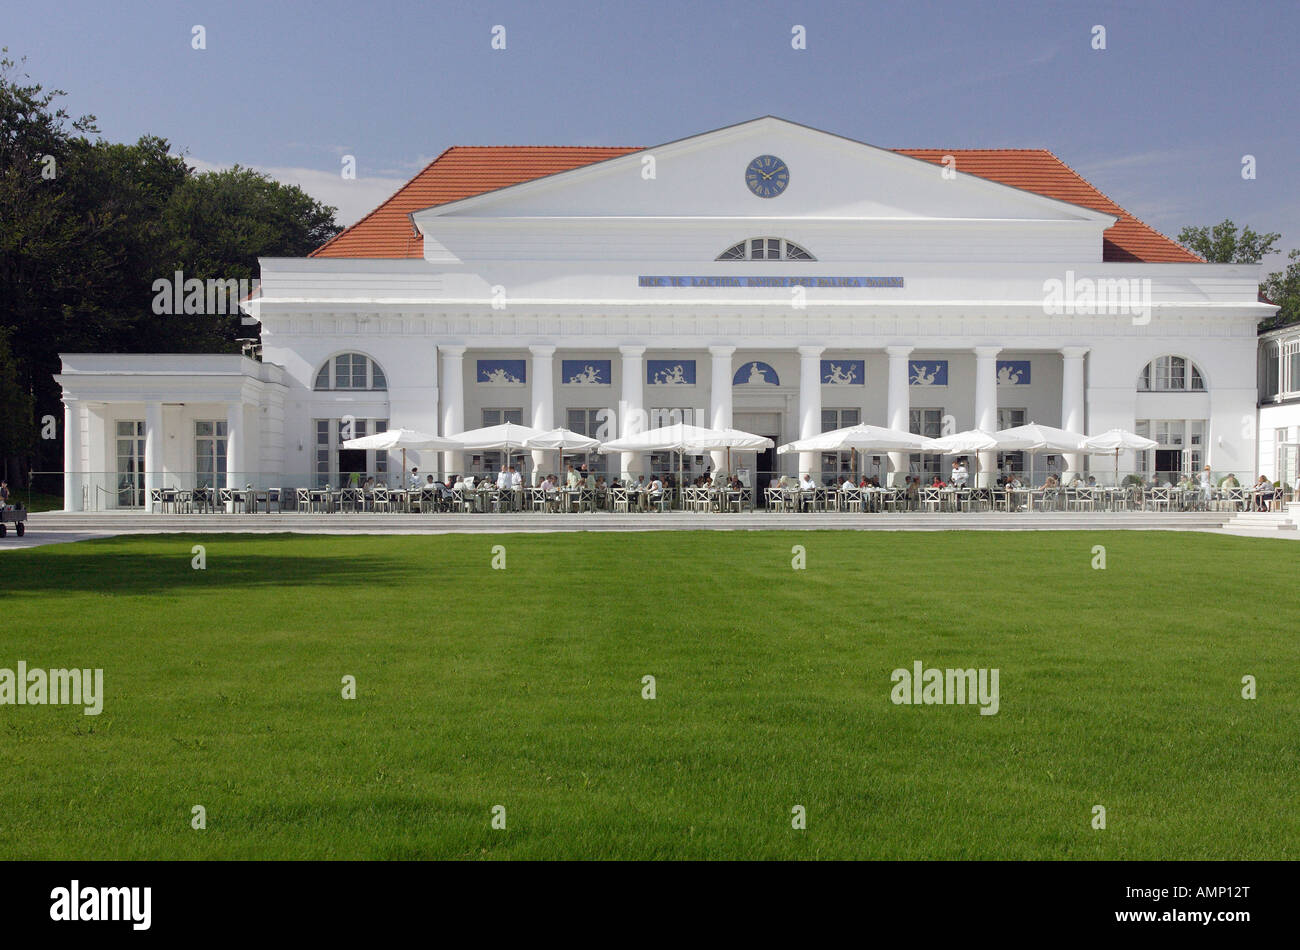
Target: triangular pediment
(705, 176)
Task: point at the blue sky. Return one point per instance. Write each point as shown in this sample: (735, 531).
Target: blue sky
(1159, 120)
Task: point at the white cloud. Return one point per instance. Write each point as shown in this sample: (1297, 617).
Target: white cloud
(354, 198)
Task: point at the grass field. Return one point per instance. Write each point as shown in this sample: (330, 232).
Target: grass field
(523, 688)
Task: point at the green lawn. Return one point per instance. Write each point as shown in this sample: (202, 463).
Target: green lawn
(478, 687)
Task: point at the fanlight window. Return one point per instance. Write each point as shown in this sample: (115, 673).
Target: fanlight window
(1171, 374)
(350, 371)
(765, 249)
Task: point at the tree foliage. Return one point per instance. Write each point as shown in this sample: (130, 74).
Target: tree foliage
(1223, 244)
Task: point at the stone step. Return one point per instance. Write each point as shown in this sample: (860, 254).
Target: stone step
(1265, 521)
(367, 523)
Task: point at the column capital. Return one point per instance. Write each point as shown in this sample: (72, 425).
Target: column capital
(987, 352)
(899, 352)
(811, 352)
(452, 349)
(721, 351)
(1075, 352)
(541, 349)
(632, 349)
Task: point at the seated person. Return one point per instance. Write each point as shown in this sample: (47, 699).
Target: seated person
(1264, 494)
(806, 483)
(848, 485)
(653, 493)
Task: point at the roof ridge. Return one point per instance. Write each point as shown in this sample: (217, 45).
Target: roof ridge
(611, 148)
(1005, 148)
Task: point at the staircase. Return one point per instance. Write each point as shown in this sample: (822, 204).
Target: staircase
(139, 522)
(1267, 522)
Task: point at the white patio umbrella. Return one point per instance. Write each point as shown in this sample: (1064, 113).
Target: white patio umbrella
(403, 439)
(860, 438)
(969, 442)
(561, 440)
(506, 438)
(682, 438)
(1038, 438)
(1117, 440)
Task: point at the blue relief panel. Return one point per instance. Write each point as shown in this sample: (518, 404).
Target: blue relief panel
(502, 372)
(756, 373)
(1013, 372)
(927, 372)
(670, 372)
(844, 372)
(585, 372)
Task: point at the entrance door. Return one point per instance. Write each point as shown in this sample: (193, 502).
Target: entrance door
(764, 471)
(1169, 464)
(352, 460)
(130, 463)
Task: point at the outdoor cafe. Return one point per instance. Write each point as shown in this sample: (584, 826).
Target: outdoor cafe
(974, 484)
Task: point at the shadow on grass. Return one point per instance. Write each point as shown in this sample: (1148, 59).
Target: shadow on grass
(232, 563)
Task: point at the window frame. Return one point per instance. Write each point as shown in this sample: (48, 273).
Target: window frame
(1172, 373)
(745, 251)
(376, 380)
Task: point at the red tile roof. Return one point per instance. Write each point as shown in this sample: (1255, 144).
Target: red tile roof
(1038, 170)
(460, 172)
(464, 171)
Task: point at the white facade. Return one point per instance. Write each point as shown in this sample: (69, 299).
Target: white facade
(1279, 405)
(550, 277)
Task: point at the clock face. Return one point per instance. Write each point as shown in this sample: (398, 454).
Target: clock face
(767, 176)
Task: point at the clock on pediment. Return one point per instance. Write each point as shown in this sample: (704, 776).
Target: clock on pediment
(767, 176)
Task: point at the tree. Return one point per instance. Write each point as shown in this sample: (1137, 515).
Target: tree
(217, 224)
(17, 422)
(1283, 288)
(1221, 244)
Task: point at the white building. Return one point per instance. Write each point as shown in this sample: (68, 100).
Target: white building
(766, 276)
(1279, 404)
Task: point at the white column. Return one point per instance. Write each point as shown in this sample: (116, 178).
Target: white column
(810, 403)
(153, 451)
(631, 414)
(898, 406)
(543, 396)
(236, 477)
(1072, 398)
(72, 480)
(986, 406)
(451, 392)
(720, 397)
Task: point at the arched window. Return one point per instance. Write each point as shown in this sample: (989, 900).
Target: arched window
(350, 371)
(1171, 374)
(765, 249)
